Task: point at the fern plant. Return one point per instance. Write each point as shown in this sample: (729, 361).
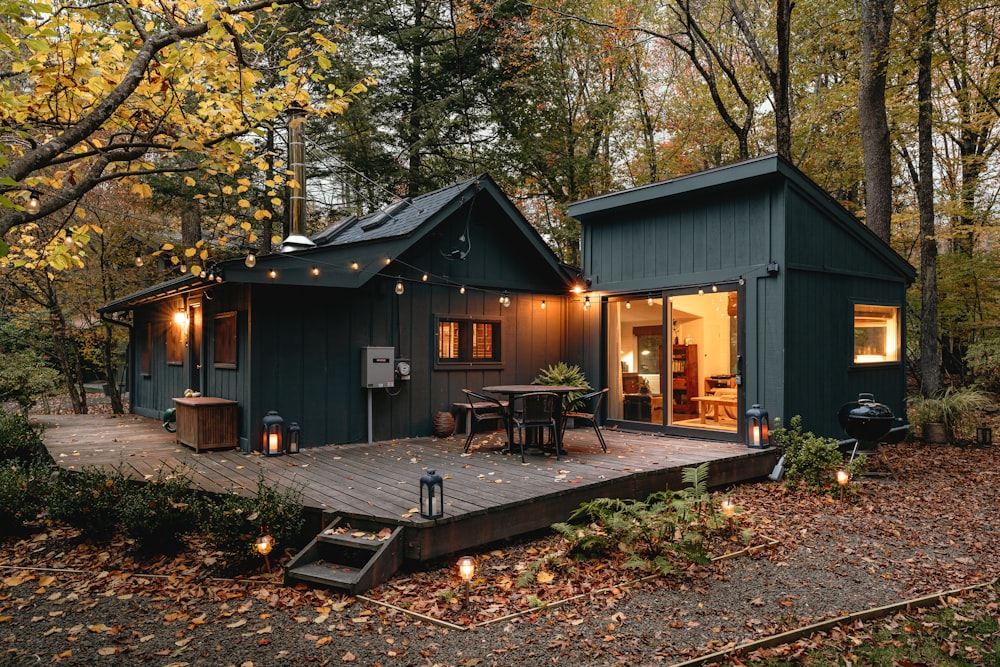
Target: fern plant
(562, 374)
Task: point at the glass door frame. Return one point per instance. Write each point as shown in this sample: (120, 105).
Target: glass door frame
(665, 295)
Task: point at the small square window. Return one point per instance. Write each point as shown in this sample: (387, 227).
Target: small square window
(467, 341)
(876, 334)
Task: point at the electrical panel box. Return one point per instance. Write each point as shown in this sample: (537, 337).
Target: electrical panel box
(378, 368)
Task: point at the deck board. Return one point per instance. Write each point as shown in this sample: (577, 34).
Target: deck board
(488, 494)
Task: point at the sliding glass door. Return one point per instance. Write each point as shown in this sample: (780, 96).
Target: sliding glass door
(674, 362)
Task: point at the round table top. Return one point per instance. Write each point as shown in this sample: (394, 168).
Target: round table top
(529, 388)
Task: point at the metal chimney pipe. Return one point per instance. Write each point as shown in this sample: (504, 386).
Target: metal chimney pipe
(297, 240)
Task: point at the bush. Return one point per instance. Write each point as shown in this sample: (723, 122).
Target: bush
(983, 359)
(232, 522)
(89, 500)
(810, 460)
(19, 441)
(24, 491)
(25, 377)
(156, 514)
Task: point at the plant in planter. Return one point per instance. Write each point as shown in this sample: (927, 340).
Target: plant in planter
(947, 414)
(565, 375)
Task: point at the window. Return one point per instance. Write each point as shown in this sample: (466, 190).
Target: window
(876, 334)
(468, 341)
(225, 340)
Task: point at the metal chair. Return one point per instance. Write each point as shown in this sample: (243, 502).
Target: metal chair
(535, 411)
(579, 411)
(483, 408)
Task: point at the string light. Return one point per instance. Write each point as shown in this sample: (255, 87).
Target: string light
(543, 304)
(251, 260)
(184, 267)
(138, 259)
(35, 203)
(649, 301)
(505, 299)
(586, 303)
(355, 266)
(272, 274)
(628, 304)
(700, 291)
(424, 277)
(315, 271)
(715, 288)
(399, 285)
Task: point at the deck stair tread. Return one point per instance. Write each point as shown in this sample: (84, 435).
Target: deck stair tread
(353, 555)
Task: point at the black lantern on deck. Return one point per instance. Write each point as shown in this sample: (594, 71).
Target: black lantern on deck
(294, 438)
(431, 495)
(272, 428)
(757, 428)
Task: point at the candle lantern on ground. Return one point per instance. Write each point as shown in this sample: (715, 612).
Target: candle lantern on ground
(757, 428)
(431, 495)
(273, 434)
(294, 438)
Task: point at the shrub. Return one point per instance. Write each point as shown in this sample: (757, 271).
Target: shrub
(24, 491)
(983, 359)
(25, 377)
(231, 522)
(810, 460)
(19, 441)
(156, 514)
(89, 500)
(955, 408)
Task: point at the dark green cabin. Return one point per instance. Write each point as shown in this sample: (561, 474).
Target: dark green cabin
(289, 333)
(741, 285)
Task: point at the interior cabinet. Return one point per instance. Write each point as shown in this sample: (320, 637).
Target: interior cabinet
(684, 372)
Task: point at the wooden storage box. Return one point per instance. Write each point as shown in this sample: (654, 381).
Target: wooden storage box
(205, 423)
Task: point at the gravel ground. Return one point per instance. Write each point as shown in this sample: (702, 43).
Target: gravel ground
(929, 527)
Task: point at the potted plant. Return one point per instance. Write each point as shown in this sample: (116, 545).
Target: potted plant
(563, 374)
(946, 412)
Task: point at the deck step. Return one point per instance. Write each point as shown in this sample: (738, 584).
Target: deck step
(353, 556)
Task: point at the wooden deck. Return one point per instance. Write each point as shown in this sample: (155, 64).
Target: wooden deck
(488, 495)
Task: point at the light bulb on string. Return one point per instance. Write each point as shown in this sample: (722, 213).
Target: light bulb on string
(34, 202)
(399, 286)
(628, 304)
(138, 259)
(649, 301)
(586, 303)
(461, 290)
(251, 260)
(543, 304)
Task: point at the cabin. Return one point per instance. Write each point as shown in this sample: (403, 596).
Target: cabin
(362, 332)
(741, 286)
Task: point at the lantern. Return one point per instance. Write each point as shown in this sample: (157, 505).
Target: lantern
(984, 436)
(757, 428)
(431, 495)
(294, 438)
(272, 428)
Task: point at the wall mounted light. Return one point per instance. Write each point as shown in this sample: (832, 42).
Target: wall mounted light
(181, 318)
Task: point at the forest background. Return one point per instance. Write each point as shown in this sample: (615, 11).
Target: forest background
(139, 140)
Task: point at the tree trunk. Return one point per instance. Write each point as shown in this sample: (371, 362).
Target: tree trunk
(111, 371)
(191, 225)
(70, 368)
(930, 367)
(876, 26)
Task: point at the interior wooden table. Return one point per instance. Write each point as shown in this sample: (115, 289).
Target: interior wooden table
(714, 403)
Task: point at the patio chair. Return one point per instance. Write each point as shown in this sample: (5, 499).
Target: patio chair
(587, 408)
(483, 408)
(534, 412)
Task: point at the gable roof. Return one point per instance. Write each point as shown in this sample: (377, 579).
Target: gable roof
(598, 209)
(371, 242)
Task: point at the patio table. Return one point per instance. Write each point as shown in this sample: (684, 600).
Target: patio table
(512, 391)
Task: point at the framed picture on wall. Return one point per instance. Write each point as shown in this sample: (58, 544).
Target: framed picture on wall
(225, 340)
